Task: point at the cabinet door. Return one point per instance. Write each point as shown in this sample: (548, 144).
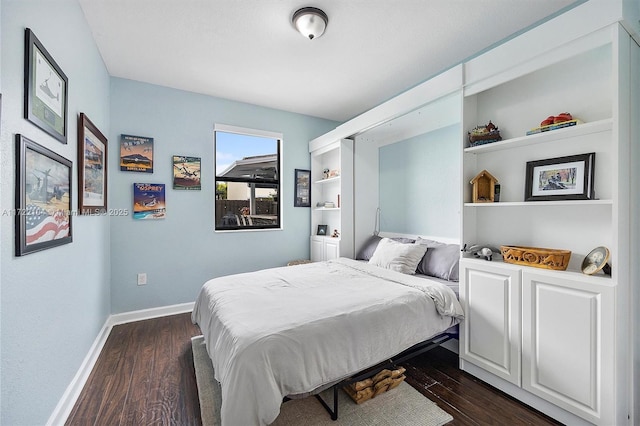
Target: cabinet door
(568, 341)
(317, 250)
(331, 249)
(490, 332)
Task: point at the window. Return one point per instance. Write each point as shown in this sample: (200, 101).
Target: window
(247, 178)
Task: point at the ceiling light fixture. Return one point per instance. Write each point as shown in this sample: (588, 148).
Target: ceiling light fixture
(310, 21)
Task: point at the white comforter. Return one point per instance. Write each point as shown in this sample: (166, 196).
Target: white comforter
(289, 330)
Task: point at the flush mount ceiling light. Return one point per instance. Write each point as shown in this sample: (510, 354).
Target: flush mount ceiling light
(310, 21)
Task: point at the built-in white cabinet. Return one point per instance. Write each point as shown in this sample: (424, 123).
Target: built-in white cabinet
(553, 339)
(324, 248)
(332, 201)
(490, 336)
(546, 333)
(568, 342)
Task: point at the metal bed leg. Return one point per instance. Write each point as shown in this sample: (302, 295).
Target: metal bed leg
(333, 412)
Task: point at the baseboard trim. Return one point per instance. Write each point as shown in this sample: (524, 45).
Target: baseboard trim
(144, 314)
(71, 394)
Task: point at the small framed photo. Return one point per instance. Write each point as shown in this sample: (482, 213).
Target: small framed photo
(45, 89)
(322, 230)
(43, 198)
(302, 188)
(562, 178)
(92, 168)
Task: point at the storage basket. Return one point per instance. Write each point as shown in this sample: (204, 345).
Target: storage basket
(536, 257)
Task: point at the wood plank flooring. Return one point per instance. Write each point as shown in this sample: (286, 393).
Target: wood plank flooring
(145, 376)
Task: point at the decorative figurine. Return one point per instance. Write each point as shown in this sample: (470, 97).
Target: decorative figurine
(335, 234)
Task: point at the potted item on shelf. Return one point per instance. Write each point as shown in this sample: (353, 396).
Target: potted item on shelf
(537, 257)
(481, 135)
(484, 187)
(553, 122)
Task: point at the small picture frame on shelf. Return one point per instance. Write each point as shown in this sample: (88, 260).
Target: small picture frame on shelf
(561, 178)
(322, 230)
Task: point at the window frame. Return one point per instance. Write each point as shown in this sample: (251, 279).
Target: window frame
(256, 133)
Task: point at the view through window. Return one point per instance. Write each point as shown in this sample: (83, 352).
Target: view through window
(247, 179)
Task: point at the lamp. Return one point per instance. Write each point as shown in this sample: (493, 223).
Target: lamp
(310, 22)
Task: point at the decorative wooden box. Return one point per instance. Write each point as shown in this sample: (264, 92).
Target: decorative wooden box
(537, 257)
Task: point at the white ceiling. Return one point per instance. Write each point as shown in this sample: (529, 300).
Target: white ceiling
(249, 51)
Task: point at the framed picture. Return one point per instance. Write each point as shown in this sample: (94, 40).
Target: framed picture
(186, 172)
(92, 168)
(136, 154)
(303, 188)
(43, 198)
(562, 178)
(149, 201)
(45, 89)
(322, 230)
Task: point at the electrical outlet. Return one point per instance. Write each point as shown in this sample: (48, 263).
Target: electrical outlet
(142, 279)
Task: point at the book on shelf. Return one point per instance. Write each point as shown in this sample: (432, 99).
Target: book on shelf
(554, 126)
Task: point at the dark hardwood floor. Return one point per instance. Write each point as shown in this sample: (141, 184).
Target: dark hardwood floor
(145, 376)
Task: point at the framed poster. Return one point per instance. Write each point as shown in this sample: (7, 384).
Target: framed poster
(302, 189)
(186, 172)
(45, 89)
(562, 178)
(43, 198)
(136, 154)
(92, 168)
(149, 201)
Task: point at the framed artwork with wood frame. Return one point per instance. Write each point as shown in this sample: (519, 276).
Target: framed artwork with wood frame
(92, 168)
(43, 198)
(561, 178)
(45, 89)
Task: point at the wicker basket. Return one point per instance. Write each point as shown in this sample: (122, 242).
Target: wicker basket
(536, 257)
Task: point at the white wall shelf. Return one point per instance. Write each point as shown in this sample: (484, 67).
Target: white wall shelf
(545, 137)
(324, 209)
(540, 203)
(334, 179)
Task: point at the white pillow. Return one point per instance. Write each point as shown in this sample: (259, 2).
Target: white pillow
(398, 256)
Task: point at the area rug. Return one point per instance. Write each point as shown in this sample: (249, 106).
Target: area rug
(402, 406)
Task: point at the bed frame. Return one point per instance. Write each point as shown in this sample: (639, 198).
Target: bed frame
(391, 363)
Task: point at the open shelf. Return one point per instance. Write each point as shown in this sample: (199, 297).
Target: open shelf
(550, 136)
(541, 203)
(328, 180)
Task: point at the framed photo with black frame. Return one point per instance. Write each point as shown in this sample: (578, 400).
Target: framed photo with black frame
(302, 188)
(45, 89)
(561, 178)
(43, 198)
(92, 168)
(322, 230)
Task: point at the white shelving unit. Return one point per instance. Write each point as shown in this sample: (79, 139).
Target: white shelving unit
(337, 156)
(520, 318)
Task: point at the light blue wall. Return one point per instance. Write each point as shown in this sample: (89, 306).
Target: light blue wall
(419, 184)
(54, 302)
(181, 252)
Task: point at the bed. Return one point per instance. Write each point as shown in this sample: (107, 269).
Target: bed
(293, 330)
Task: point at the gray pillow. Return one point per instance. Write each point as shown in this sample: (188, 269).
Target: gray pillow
(369, 246)
(441, 260)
